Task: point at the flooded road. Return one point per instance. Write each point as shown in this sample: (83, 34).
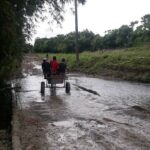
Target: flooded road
(116, 118)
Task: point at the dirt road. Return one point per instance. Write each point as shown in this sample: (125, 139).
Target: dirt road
(117, 117)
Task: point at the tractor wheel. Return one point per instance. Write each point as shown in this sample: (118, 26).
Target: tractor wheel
(67, 87)
(42, 87)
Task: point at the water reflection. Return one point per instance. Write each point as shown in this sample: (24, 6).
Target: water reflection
(53, 91)
(123, 108)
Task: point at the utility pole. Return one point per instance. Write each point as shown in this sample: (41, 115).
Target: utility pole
(76, 34)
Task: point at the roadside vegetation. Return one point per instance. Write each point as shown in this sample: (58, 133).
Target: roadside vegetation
(17, 22)
(121, 53)
(134, 34)
(16, 28)
(129, 63)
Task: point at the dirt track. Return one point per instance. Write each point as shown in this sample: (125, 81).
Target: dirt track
(117, 118)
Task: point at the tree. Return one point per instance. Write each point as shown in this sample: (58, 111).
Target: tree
(132, 24)
(97, 43)
(146, 23)
(17, 24)
(110, 39)
(142, 32)
(85, 40)
(124, 36)
(9, 47)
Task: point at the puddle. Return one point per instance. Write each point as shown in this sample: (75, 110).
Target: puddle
(66, 123)
(110, 121)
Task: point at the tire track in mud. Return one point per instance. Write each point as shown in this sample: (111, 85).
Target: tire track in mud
(56, 122)
(140, 109)
(88, 90)
(115, 135)
(110, 120)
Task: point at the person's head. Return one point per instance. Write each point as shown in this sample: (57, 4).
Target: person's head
(54, 57)
(63, 59)
(44, 60)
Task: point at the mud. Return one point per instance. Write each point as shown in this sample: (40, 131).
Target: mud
(118, 119)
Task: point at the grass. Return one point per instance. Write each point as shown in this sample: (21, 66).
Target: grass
(129, 64)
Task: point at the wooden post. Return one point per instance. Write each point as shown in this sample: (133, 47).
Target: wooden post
(76, 33)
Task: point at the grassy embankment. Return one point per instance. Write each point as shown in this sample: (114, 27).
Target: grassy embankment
(129, 64)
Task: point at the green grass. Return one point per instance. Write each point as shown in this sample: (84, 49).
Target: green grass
(129, 64)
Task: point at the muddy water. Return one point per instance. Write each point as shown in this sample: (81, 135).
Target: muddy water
(118, 117)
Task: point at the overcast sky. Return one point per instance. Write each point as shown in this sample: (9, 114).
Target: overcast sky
(97, 16)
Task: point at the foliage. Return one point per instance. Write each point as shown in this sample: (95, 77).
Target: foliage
(17, 19)
(125, 36)
(8, 39)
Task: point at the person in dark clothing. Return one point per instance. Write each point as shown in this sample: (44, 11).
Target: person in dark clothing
(46, 68)
(62, 66)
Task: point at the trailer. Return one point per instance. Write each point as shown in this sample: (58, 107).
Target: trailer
(52, 82)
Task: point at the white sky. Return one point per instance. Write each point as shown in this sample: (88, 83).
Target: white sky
(97, 16)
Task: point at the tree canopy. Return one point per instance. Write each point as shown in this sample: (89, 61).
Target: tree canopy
(125, 36)
(17, 19)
